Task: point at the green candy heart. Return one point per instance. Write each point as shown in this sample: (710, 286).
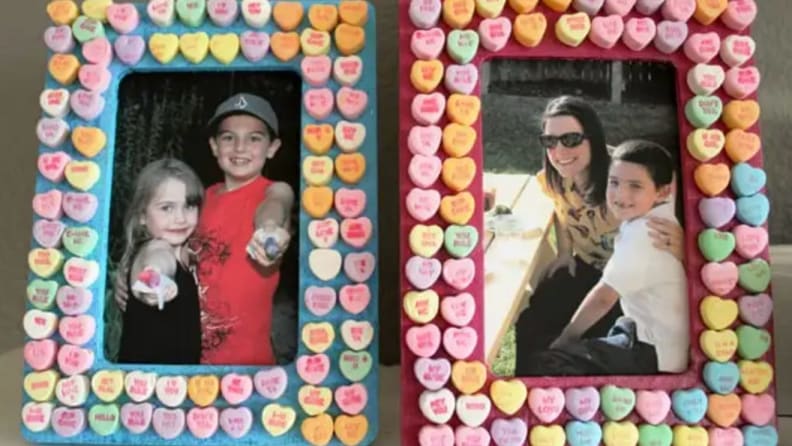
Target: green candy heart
(754, 275)
(655, 435)
(191, 12)
(86, 28)
(752, 343)
(41, 293)
(354, 365)
(715, 245)
(80, 241)
(462, 45)
(703, 111)
(103, 419)
(460, 241)
(617, 402)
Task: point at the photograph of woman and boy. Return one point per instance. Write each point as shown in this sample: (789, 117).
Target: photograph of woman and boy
(614, 299)
(201, 267)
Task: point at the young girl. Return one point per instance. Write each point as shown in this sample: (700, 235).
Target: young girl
(161, 326)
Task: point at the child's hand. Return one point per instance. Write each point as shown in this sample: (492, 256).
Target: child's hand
(268, 244)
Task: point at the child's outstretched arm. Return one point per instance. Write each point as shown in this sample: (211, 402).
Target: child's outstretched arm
(154, 261)
(273, 225)
(595, 306)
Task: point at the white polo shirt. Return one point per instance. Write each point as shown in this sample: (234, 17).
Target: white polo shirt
(652, 287)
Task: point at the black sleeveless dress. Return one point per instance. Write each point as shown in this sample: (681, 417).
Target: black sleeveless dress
(170, 336)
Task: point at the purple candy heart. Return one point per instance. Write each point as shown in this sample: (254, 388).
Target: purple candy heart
(582, 403)
(512, 432)
(129, 49)
(59, 39)
(756, 309)
(716, 212)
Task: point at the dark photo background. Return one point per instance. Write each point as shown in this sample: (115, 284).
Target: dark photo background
(165, 115)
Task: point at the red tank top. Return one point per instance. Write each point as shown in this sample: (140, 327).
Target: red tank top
(236, 294)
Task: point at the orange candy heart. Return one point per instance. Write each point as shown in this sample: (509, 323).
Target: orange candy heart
(523, 6)
(285, 46)
(318, 138)
(741, 114)
(62, 12)
(353, 12)
(458, 173)
(458, 13)
(426, 75)
(463, 109)
(317, 200)
(712, 179)
(707, 11)
(529, 29)
(741, 145)
(351, 430)
(203, 389)
(64, 68)
(458, 209)
(458, 139)
(318, 430)
(724, 410)
(350, 167)
(557, 5)
(469, 377)
(323, 17)
(287, 15)
(349, 39)
(88, 140)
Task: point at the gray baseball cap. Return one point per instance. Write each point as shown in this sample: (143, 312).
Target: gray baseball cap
(246, 103)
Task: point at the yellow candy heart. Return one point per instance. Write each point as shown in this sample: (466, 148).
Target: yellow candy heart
(351, 430)
(287, 14)
(457, 209)
(350, 167)
(547, 436)
(318, 138)
(622, 433)
(490, 8)
(354, 12)
(755, 377)
(317, 200)
(707, 11)
(572, 29)
(426, 240)
(690, 436)
(62, 12)
(318, 336)
(508, 396)
(718, 313)
(529, 29)
(741, 114)
(718, 345)
(469, 377)
(163, 47)
(323, 17)
(426, 75)
(96, 9)
(523, 6)
(314, 400)
(349, 39)
(458, 173)
(45, 262)
(741, 146)
(318, 170)
(203, 389)
(318, 430)
(463, 109)
(458, 13)
(285, 46)
(82, 175)
(88, 140)
(64, 68)
(458, 139)
(224, 47)
(724, 410)
(705, 144)
(557, 5)
(40, 386)
(277, 419)
(315, 43)
(108, 385)
(194, 46)
(421, 307)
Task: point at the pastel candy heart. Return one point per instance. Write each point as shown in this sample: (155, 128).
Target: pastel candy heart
(557, 5)
(753, 210)
(459, 273)
(318, 430)
(222, 12)
(689, 405)
(427, 109)
(495, 32)
(317, 170)
(741, 146)
(161, 12)
(720, 278)
(67, 422)
(756, 310)
(202, 422)
(754, 276)
(236, 421)
(41, 293)
(423, 340)
(648, 7)
(718, 313)
(73, 360)
(490, 8)
(718, 345)
(553, 435)
(203, 389)
(89, 141)
(40, 386)
(725, 436)
(741, 82)
(168, 423)
(619, 7)
(617, 402)
(705, 144)
(650, 435)
(736, 50)
(314, 43)
(752, 343)
(191, 12)
(124, 18)
(52, 132)
(619, 433)
(458, 173)
(315, 69)
(59, 39)
(171, 390)
(48, 204)
(755, 377)
(427, 44)
(224, 47)
(95, 77)
(129, 49)
(98, 51)
(638, 33)
(458, 310)
(73, 391)
(461, 79)
(458, 13)
(74, 301)
(48, 233)
(421, 307)
(351, 430)
(255, 46)
(458, 139)
(271, 383)
(572, 29)
(426, 75)
(139, 386)
(136, 418)
(325, 264)
(590, 7)
(724, 410)
(704, 79)
(469, 377)
(55, 102)
(85, 29)
(96, 9)
(349, 136)
(194, 46)
(323, 17)
(287, 15)
(703, 111)
(359, 266)
(747, 180)
(37, 416)
(707, 11)
(163, 47)
(347, 70)
(318, 337)
(350, 203)
(422, 204)
(82, 175)
(313, 369)
(579, 433)
(104, 419)
(80, 272)
(712, 179)
(425, 13)
(758, 409)
(349, 39)
(715, 245)
(318, 138)
(357, 334)
(692, 436)
(351, 399)
(62, 12)
(679, 10)
(320, 300)
(546, 404)
(529, 29)
(652, 406)
(472, 410)
(424, 170)
(511, 432)
(582, 403)
(87, 104)
(460, 241)
(64, 68)
(739, 14)
(473, 436)
(45, 262)
(702, 47)
(40, 355)
(351, 102)
(433, 374)
(236, 388)
(77, 330)
(355, 366)
(421, 272)
(460, 342)
(721, 377)
(741, 114)
(256, 13)
(670, 36)
(354, 12)
(80, 206)
(318, 102)
(716, 212)
(457, 209)
(606, 31)
(314, 400)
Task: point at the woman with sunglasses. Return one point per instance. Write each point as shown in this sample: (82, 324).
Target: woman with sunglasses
(574, 176)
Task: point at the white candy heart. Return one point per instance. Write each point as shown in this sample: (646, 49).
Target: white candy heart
(473, 410)
(80, 272)
(140, 385)
(349, 136)
(39, 324)
(437, 406)
(171, 390)
(325, 264)
(52, 132)
(37, 416)
(736, 50)
(347, 70)
(323, 233)
(256, 12)
(55, 102)
(705, 79)
(161, 12)
(73, 391)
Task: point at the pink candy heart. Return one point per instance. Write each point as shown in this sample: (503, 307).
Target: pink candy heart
(427, 109)
(742, 82)
(702, 47)
(123, 18)
(48, 204)
(236, 388)
(460, 342)
(424, 140)
(40, 355)
(55, 102)
(422, 204)
(356, 232)
(619, 7)
(459, 273)
(736, 50)
(313, 369)
(351, 399)
(430, 435)
(94, 77)
(350, 203)
(87, 104)
(202, 422)
(318, 102)
(236, 422)
(73, 360)
(652, 406)
(423, 340)
(495, 33)
(427, 44)
(739, 14)
(731, 436)
(77, 330)
(137, 417)
(73, 301)
(359, 266)
(679, 10)
(52, 165)
(638, 33)
(98, 51)
(670, 36)
(750, 241)
(320, 300)
(758, 409)
(424, 170)
(422, 273)
(48, 233)
(606, 31)
(68, 422)
(168, 423)
(52, 132)
(80, 206)
(458, 310)
(129, 49)
(351, 102)
(354, 298)
(648, 7)
(222, 12)
(582, 403)
(720, 278)
(59, 39)
(469, 436)
(461, 78)
(546, 404)
(756, 310)
(271, 383)
(590, 7)
(433, 374)
(255, 45)
(425, 13)
(316, 69)
(512, 432)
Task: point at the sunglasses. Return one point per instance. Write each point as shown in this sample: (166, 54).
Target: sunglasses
(568, 140)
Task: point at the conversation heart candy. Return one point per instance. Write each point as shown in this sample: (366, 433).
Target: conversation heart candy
(508, 396)
(45, 262)
(724, 410)
(474, 436)
(424, 170)
(425, 14)
(317, 200)
(619, 7)
(422, 204)
(707, 11)
(716, 212)
(648, 7)
(718, 313)
(639, 32)
(553, 435)
(139, 386)
(271, 383)
(736, 50)
(351, 399)
(458, 13)
(194, 46)
(168, 423)
(583, 433)
(124, 18)
(718, 345)
(702, 47)
(37, 416)
(690, 405)
(161, 12)
(87, 104)
(472, 410)
(557, 5)
(349, 39)
(754, 276)
(48, 233)
(95, 77)
(136, 417)
(318, 337)
(617, 402)
(64, 68)
(222, 12)
(73, 360)
(511, 432)
(705, 144)
(202, 422)
(313, 369)
(529, 29)
(59, 39)
(704, 79)
(39, 324)
(354, 366)
(236, 421)
(433, 374)
(236, 388)
(353, 12)
(457, 209)
(40, 355)
(458, 173)
(459, 273)
(756, 310)
(191, 12)
(224, 47)
(52, 132)
(623, 432)
(741, 82)
(351, 430)
(460, 342)
(753, 210)
(320, 300)
(458, 310)
(203, 389)
(324, 263)
(758, 409)
(546, 404)
(741, 146)
(725, 436)
(715, 245)
(96, 9)
(755, 435)
(317, 430)
(314, 400)
(129, 49)
(287, 15)
(755, 376)
(82, 175)
(98, 51)
(703, 111)
(490, 9)
(350, 203)
(694, 436)
(347, 70)
(41, 293)
(652, 406)
(48, 204)
(55, 102)
(79, 206)
(720, 278)
(77, 330)
(427, 44)
(74, 301)
(80, 272)
(678, 10)
(712, 179)
(582, 403)
(80, 241)
(660, 435)
(323, 17)
(256, 13)
(739, 14)
(606, 31)
(747, 180)
(461, 79)
(255, 46)
(351, 102)
(421, 307)
(349, 136)
(590, 7)
(354, 298)
(721, 377)
(469, 377)
(72, 391)
(572, 29)
(752, 343)
(423, 340)
(670, 36)
(171, 390)
(495, 32)
(426, 75)
(314, 42)
(67, 422)
(85, 29)
(421, 272)
(107, 385)
(62, 12)
(318, 102)
(458, 139)
(359, 266)
(317, 170)
(460, 241)
(427, 109)
(357, 335)
(163, 47)
(40, 386)
(315, 69)
(318, 138)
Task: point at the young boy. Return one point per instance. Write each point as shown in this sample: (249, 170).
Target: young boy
(650, 284)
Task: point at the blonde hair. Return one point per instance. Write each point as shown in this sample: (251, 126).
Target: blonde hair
(146, 184)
